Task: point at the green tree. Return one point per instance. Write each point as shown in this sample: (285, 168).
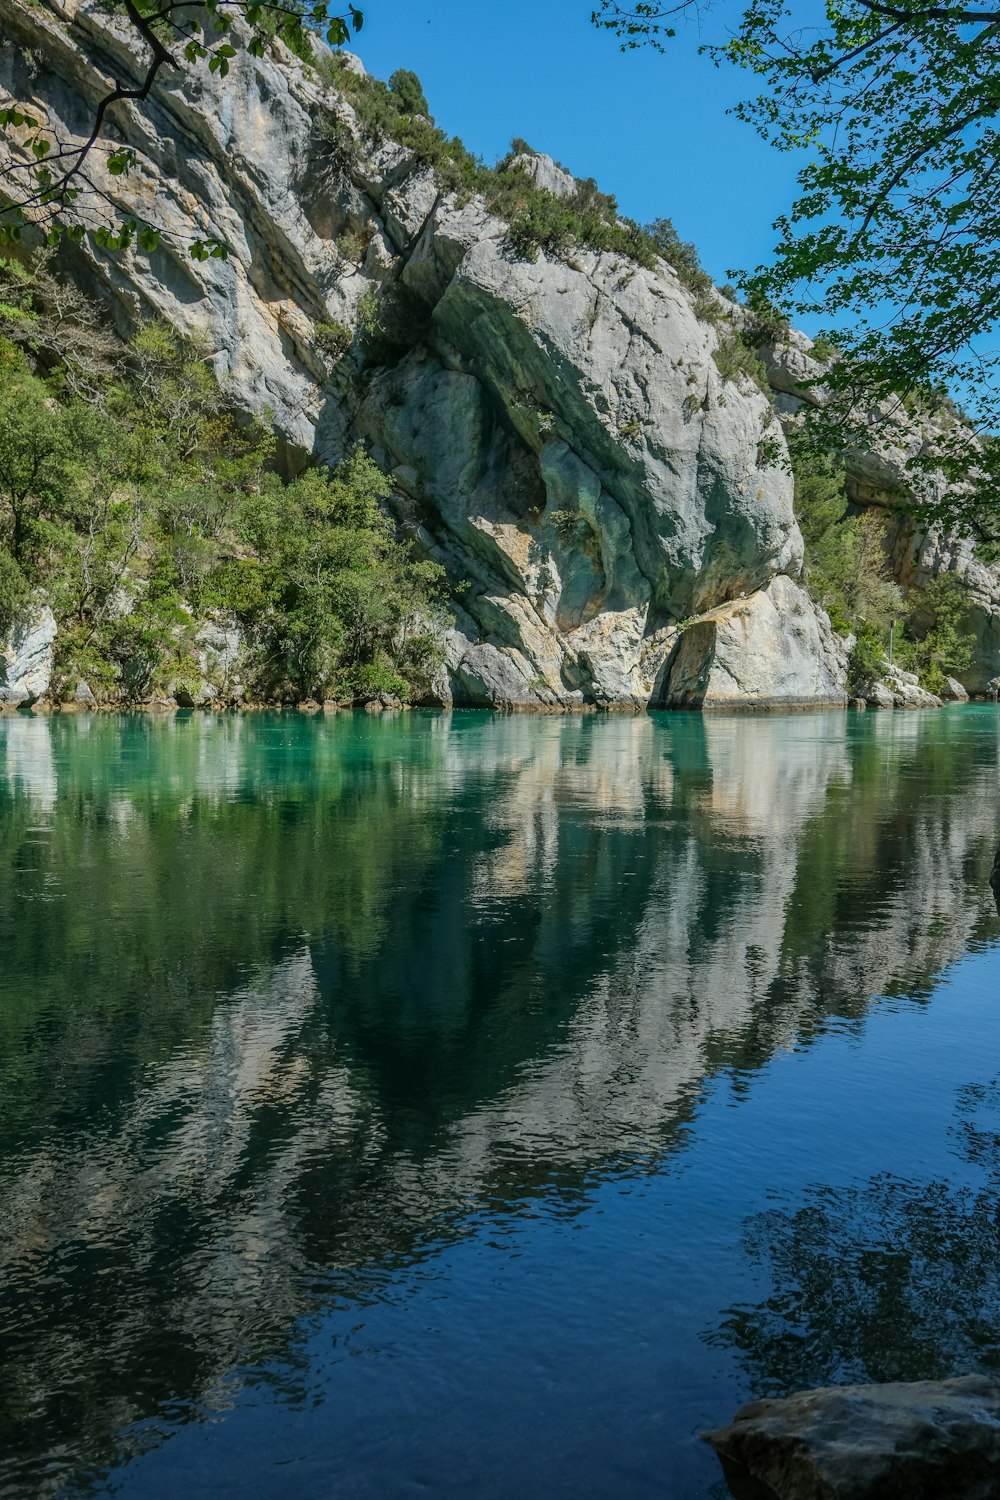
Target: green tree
(36, 467)
(943, 648)
(334, 603)
(845, 566)
(895, 233)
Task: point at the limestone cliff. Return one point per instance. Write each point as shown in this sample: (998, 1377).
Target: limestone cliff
(558, 431)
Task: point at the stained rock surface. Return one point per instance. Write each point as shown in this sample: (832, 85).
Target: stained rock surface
(930, 1440)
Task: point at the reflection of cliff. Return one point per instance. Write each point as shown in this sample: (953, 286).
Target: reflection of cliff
(291, 1000)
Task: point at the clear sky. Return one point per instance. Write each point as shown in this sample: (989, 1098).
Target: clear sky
(651, 128)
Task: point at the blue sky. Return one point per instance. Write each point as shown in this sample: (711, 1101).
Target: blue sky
(651, 128)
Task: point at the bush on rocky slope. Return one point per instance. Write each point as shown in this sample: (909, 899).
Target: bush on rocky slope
(145, 509)
(846, 570)
(539, 219)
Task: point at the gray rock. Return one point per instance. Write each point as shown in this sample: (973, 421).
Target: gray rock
(83, 695)
(219, 655)
(931, 1440)
(907, 692)
(877, 695)
(954, 692)
(546, 173)
(772, 649)
(26, 659)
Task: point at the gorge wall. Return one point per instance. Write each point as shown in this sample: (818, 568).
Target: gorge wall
(613, 512)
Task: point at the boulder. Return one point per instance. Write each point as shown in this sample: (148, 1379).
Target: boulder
(907, 692)
(931, 1440)
(878, 695)
(26, 659)
(83, 695)
(773, 649)
(953, 691)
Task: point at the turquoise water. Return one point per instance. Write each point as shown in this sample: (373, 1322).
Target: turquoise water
(484, 1106)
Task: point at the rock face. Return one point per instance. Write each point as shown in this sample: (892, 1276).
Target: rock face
(770, 650)
(919, 556)
(877, 477)
(925, 1441)
(26, 659)
(558, 432)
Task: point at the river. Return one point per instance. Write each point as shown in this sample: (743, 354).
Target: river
(424, 1105)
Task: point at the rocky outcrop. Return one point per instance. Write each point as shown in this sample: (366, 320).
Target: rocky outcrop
(878, 476)
(919, 555)
(899, 689)
(26, 659)
(921, 1441)
(559, 434)
(769, 650)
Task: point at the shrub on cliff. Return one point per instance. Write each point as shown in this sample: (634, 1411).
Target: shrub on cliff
(139, 511)
(330, 600)
(538, 219)
(845, 567)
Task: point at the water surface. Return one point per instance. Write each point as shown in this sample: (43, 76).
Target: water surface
(471, 1105)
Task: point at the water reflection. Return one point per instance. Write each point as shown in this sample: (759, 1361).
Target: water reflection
(288, 1003)
(891, 1279)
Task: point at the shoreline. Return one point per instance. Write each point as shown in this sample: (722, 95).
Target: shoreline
(43, 708)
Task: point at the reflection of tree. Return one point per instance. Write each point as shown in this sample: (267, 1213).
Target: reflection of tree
(891, 1280)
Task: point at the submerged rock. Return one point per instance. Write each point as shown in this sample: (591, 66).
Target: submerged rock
(26, 660)
(930, 1440)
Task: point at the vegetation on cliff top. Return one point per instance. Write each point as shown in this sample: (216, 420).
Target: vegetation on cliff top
(133, 499)
(538, 219)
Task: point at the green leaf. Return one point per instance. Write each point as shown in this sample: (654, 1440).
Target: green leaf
(15, 117)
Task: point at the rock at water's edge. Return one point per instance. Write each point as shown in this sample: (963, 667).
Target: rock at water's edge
(930, 1440)
(770, 650)
(26, 659)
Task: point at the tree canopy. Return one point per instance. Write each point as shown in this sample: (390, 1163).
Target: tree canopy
(46, 181)
(895, 233)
